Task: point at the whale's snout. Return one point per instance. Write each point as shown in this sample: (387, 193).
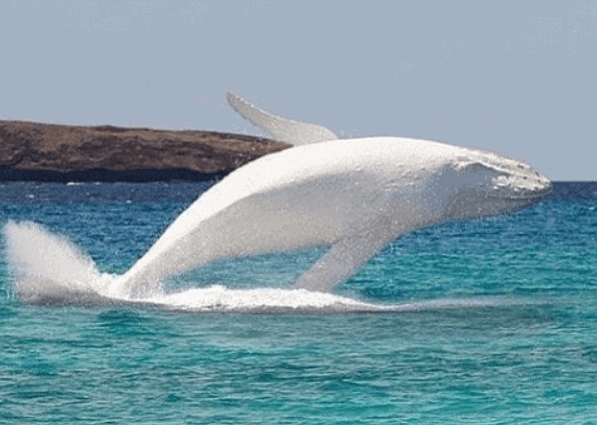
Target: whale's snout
(519, 181)
(493, 184)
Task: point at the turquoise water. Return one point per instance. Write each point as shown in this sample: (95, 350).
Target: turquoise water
(494, 321)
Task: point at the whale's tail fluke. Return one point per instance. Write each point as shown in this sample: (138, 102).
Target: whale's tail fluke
(283, 129)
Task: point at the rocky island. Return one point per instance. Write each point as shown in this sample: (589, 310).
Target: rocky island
(32, 151)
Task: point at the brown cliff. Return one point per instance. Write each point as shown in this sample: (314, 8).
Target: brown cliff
(51, 152)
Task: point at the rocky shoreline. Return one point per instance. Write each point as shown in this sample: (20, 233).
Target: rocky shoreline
(32, 151)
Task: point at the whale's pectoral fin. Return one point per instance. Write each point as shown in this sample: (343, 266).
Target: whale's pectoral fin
(343, 259)
(283, 129)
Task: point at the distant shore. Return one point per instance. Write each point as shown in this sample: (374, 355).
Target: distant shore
(32, 151)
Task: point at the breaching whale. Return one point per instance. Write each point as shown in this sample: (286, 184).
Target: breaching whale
(354, 196)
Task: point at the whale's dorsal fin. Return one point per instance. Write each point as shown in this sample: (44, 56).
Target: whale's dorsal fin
(284, 130)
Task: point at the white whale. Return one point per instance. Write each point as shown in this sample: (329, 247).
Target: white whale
(354, 196)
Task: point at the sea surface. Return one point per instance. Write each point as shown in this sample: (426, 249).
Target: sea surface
(490, 321)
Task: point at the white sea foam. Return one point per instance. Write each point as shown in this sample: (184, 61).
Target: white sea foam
(48, 268)
(218, 298)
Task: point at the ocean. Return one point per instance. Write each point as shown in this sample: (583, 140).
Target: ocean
(489, 321)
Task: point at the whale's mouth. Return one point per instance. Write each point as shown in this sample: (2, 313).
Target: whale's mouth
(526, 196)
(474, 203)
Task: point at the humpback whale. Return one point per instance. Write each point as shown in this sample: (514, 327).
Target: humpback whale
(353, 196)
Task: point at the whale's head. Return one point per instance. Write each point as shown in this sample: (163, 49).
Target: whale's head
(481, 183)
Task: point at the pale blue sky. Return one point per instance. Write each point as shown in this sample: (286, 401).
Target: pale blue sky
(510, 76)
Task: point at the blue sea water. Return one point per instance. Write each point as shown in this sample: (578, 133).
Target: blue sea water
(492, 321)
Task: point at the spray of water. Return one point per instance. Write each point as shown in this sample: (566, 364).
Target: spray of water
(48, 268)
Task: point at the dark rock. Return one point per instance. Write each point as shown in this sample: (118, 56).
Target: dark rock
(51, 152)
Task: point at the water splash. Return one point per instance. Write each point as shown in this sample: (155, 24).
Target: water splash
(48, 268)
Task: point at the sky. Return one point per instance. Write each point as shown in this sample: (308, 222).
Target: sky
(509, 76)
